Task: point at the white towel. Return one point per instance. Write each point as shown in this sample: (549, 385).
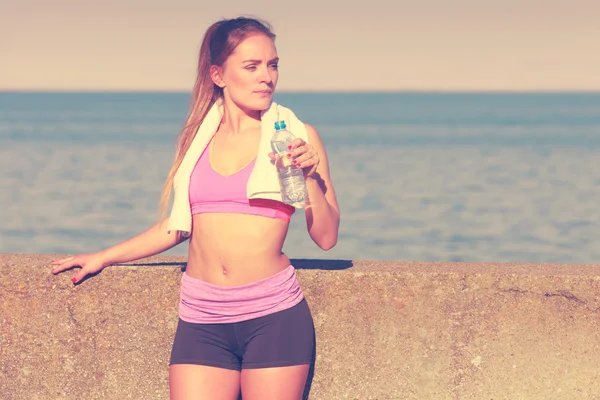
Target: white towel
(263, 182)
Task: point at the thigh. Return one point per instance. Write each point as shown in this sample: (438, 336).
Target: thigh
(280, 383)
(211, 345)
(279, 351)
(194, 382)
(282, 339)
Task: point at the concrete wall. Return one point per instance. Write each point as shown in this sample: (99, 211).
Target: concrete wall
(385, 330)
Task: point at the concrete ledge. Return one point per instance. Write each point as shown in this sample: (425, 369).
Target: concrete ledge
(385, 330)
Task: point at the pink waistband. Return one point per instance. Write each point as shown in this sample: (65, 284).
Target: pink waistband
(203, 302)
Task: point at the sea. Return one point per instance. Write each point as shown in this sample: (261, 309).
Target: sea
(474, 177)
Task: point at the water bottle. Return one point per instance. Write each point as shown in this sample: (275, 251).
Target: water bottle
(291, 178)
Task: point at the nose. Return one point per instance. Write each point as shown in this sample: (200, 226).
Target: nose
(265, 75)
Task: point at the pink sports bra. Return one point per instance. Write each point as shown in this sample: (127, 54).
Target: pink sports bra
(211, 192)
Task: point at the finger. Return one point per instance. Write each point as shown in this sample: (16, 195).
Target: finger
(311, 162)
(298, 151)
(296, 143)
(79, 275)
(63, 267)
(303, 158)
(62, 260)
(272, 156)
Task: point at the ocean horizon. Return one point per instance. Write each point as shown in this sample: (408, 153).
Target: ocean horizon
(496, 176)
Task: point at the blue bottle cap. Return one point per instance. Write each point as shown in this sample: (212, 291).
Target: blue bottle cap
(277, 126)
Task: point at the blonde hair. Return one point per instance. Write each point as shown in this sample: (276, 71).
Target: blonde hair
(220, 40)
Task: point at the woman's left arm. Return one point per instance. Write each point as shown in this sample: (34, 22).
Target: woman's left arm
(322, 210)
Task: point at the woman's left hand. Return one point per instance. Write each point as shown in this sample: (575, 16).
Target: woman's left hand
(303, 155)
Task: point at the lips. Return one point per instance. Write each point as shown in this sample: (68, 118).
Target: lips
(263, 92)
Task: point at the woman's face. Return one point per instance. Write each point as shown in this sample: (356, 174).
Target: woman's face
(249, 76)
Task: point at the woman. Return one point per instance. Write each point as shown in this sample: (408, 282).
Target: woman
(244, 324)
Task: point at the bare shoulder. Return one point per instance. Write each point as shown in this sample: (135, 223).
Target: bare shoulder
(313, 135)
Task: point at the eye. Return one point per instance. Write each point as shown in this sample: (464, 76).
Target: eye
(275, 66)
(250, 67)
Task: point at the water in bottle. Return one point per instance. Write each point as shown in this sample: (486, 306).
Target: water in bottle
(291, 178)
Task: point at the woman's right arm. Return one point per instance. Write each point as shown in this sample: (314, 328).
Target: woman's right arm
(153, 241)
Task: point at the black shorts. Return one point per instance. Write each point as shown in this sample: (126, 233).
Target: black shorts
(280, 339)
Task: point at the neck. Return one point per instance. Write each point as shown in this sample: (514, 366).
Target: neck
(237, 120)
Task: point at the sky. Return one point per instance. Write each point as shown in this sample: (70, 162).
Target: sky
(375, 45)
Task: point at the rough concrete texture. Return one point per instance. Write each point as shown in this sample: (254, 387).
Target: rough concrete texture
(385, 330)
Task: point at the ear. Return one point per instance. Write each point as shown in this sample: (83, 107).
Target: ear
(216, 74)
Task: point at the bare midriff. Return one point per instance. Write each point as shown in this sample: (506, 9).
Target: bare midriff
(236, 249)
